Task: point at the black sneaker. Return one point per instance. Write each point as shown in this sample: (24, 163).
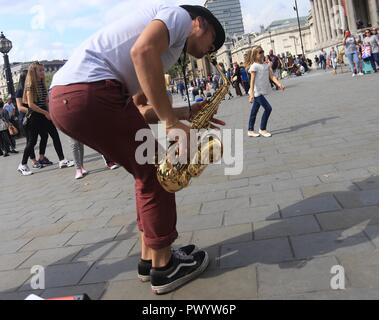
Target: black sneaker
(183, 269)
(45, 162)
(144, 267)
(37, 165)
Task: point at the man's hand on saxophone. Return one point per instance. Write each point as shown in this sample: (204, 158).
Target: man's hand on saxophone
(183, 113)
(196, 108)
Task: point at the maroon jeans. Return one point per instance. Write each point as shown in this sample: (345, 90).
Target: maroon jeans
(102, 116)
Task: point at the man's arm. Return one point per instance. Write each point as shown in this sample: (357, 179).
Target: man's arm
(146, 55)
(252, 87)
(275, 80)
(149, 113)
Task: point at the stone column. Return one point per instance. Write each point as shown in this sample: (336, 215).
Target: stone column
(343, 16)
(332, 19)
(315, 23)
(373, 11)
(327, 20)
(320, 22)
(318, 19)
(351, 17)
(340, 20)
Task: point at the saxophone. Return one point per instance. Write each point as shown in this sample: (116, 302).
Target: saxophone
(175, 177)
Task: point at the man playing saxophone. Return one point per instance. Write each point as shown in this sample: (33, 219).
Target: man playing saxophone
(92, 102)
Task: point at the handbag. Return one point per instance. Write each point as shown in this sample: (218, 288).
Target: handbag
(3, 125)
(366, 54)
(25, 121)
(12, 130)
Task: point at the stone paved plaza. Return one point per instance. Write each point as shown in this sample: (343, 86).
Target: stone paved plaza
(307, 200)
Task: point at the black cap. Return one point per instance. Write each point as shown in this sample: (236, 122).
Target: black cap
(199, 11)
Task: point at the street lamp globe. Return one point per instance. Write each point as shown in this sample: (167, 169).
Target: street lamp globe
(5, 44)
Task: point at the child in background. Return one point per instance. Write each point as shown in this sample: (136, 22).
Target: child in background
(261, 74)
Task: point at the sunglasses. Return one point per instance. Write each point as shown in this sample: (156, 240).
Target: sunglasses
(261, 52)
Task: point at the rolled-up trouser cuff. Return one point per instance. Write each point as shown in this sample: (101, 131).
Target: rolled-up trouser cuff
(161, 242)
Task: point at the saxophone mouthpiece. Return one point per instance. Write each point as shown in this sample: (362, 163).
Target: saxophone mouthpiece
(212, 58)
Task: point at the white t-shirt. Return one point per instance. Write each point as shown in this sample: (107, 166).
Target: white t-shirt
(372, 41)
(350, 46)
(106, 55)
(262, 79)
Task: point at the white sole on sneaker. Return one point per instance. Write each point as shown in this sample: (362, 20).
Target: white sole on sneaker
(25, 175)
(144, 279)
(158, 290)
(147, 278)
(253, 135)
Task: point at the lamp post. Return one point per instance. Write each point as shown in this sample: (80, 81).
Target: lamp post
(271, 42)
(298, 21)
(5, 47)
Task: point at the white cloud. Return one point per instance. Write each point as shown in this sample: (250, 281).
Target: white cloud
(36, 45)
(66, 21)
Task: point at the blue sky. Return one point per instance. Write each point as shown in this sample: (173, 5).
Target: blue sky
(46, 29)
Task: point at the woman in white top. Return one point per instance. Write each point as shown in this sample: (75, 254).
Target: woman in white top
(351, 52)
(261, 74)
(371, 41)
(376, 53)
(333, 60)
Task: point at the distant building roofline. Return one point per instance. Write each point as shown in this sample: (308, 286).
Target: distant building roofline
(277, 24)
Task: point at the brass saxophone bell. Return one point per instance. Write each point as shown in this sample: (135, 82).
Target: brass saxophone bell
(175, 177)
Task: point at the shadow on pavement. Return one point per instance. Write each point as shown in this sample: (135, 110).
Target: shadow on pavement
(243, 253)
(305, 125)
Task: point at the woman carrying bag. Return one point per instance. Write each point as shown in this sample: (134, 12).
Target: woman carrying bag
(236, 79)
(5, 143)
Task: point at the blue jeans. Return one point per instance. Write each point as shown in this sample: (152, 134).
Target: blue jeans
(258, 102)
(375, 57)
(353, 61)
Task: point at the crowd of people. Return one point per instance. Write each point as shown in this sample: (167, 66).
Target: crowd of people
(361, 52)
(202, 88)
(31, 118)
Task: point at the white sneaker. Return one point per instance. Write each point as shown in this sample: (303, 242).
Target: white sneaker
(66, 164)
(79, 175)
(353, 75)
(253, 134)
(24, 170)
(265, 133)
(360, 74)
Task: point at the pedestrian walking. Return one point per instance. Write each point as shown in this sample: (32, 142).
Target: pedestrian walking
(333, 60)
(261, 74)
(371, 45)
(35, 96)
(351, 52)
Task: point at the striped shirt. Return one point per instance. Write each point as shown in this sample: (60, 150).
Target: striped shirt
(42, 96)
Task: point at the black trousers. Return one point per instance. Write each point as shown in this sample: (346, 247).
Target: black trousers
(43, 142)
(40, 125)
(5, 143)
